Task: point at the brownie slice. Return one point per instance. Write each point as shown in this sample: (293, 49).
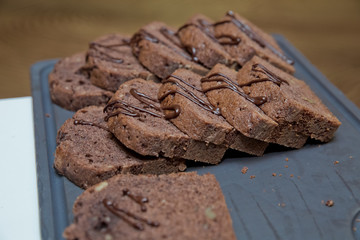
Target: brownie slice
(87, 153)
(197, 117)
(244, 39)
(289, 101)
(71, 89)
(159, 50)
(176, 206)
(110, 62)
(238, 109)
(136, 119)
(197, 35)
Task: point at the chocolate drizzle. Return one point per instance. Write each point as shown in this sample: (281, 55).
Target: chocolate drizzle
(126, 216)
(230, 84)
(131, 110)
(170, 35)
(137, 198)
(254, 36)
(105, 56)
(187, 94)
(82, 122)
(270, 76)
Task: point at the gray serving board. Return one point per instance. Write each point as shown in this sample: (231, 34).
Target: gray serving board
(290, 206)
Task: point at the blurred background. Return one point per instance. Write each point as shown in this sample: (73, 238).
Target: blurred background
(327, 32)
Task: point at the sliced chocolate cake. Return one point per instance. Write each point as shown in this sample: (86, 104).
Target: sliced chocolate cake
(159, 49)
(71, 89)
(110, 62)
(87, 153)
(240, 110)
(289, 101)
(137, 120)
(197, 36)
(244, 39)
(181, 93)
(182, 206)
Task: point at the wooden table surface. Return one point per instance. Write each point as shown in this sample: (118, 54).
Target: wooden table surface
(327, 32)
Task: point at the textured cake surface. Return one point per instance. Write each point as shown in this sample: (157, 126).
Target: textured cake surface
(177, 206)
(71, 89)
(87, 153)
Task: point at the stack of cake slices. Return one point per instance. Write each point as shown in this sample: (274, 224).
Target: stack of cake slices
(152, 102)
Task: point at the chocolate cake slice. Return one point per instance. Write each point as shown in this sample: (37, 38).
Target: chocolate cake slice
(197, 35)
(244, 39)
(110, 62)
(182, 206)
(136, 119)
(71, 89)
(159, 49)
(235, 106)
(87, 153)
(195, 116)
(289, 101)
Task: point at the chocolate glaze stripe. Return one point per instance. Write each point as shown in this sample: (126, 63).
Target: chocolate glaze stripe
(136, 198)
(125, 215)
(215, 77)
(87, 123)
(107, 57)
(270, 75)
(129, 109)
(253, 36)
(187, 94)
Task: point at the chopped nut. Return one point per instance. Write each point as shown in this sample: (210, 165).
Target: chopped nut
(287, 159)
(291, 175)
(252, 176)
(274, 174)
(336, 162)
(210, 213)
(108, 237)
(329, 203)
(244, 170)
(182, 167)
(101, 186)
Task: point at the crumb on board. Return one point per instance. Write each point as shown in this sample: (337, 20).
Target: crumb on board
(47, 115)
(351, 157)
(252, 176)
(244, 170)
(286, 166)
(336, 162)
(287, 159)
(281, 204)
(329, 203)
(274, 174)
(291, 175)
(280, 175)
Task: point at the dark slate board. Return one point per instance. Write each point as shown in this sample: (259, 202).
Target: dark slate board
(266, 207)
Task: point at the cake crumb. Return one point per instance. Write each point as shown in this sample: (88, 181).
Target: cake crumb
(244, 170)
(336, 162)
(291, 175)
(351, 157)
(287, 159)
(280, 175)
(274, 174)
(281, 204)
(47, 115)
(322, 202)
(298, 177)
(286, 166)
(252, 176)
(329, 203)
